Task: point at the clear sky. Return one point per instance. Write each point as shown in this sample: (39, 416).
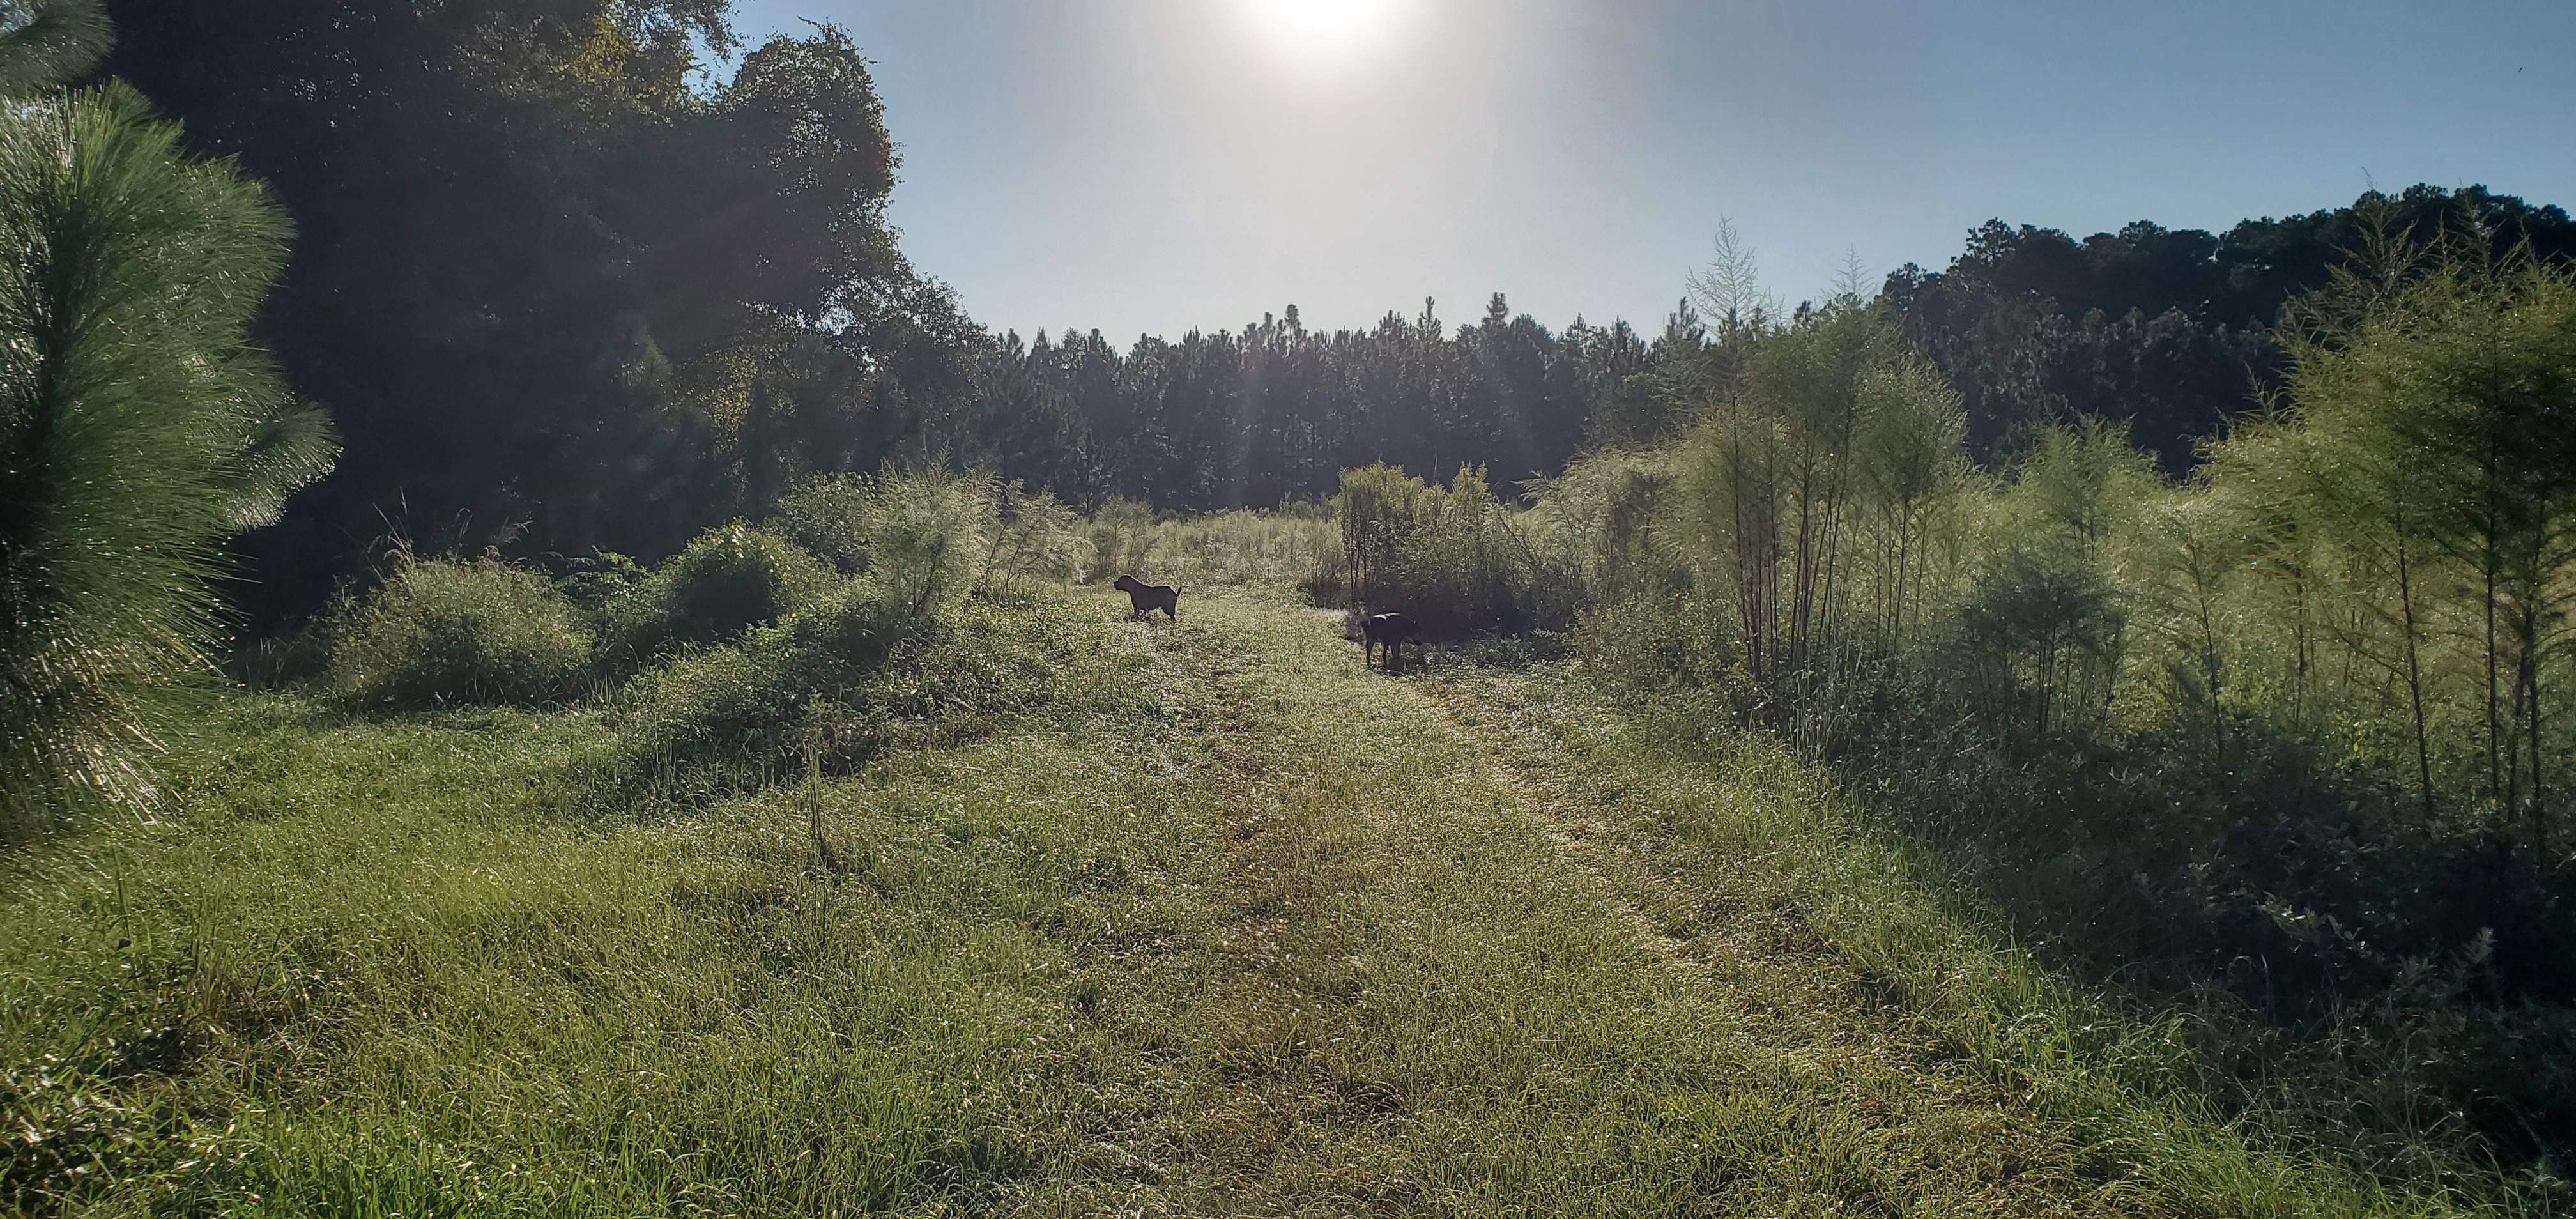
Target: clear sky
(1140, 166)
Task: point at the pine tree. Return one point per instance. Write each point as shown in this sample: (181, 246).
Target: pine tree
(138, 427)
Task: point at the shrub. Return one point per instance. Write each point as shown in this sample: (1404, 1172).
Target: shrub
(1122, 539)
(1455, 560)
(1639, 648)
(848, 678)
(1033, 538)
(928, 537)
(730, 580)
(925, 531)
(736, 578)
(1603, 533)
(445, 632)
(1377, 511)
(598, 580)
(829, 518)
(2038, 642)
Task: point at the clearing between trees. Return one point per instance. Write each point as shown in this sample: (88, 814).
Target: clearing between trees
(1262, 932)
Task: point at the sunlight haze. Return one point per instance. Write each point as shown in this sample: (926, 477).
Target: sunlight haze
(1160, 165)
(819, 607)
(1326, 34)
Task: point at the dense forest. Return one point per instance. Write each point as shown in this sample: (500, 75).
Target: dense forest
(2186, 612)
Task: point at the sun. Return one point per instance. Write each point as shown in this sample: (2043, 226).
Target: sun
(1319, 32)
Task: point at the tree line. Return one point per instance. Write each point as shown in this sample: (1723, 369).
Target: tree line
(564, 291)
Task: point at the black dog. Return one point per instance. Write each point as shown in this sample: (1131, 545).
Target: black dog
(1391, 631)
(1150, 597)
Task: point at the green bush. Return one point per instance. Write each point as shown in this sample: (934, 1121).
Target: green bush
(850, 677)
(1032, 538)
(730, 580)
(2038, 642)
(931, 536)
(1122, 539)
(830, 518)
(1456, 560)
(925, 532)
(600, 579)
(1647, 647)
(446, 632)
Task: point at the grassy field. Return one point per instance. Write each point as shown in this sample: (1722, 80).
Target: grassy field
(1263, 933)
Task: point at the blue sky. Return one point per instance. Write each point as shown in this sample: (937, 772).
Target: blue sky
(1155, 166)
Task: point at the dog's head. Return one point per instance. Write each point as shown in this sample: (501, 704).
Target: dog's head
(1127, 584)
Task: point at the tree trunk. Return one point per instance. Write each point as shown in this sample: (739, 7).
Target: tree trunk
(2529, 697)
(2414, 670)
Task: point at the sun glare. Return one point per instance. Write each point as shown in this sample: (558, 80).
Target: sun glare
(1323, 31)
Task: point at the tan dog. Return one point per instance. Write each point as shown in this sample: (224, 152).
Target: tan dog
(1150, 597)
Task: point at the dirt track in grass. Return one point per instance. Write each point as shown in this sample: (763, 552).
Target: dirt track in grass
(1444, 973)
(1259, 932)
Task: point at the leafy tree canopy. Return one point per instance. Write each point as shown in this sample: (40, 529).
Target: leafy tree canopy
(539, 248)
(564, 287)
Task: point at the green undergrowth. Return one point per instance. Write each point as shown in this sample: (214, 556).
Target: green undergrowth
(852, 678)
(449, 632)
(728, 581)
(1202, 918)
(2151, 1088)
(413, 967)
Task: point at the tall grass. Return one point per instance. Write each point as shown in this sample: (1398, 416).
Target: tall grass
(645, 953)
(844, 681)
(447, 632)
(138, 427)
(731, 579)
(1262, 933)
(930, 536)
(2171, 1106)
(2279, 745)
(1277, 551)
(379, 967)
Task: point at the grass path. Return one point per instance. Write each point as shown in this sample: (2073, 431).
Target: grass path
(1430, 986)
(1276, 935)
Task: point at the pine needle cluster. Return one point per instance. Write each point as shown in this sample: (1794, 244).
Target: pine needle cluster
(138, 426)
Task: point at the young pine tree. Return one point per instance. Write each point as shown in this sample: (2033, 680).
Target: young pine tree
(138, 428)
